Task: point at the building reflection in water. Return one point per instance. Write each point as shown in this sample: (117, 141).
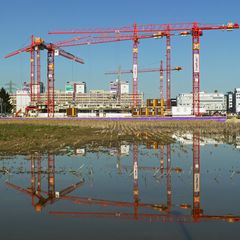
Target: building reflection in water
(164, 212)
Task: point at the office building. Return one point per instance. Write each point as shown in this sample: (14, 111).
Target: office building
(75, 87)
(209, 102)
(119, 87)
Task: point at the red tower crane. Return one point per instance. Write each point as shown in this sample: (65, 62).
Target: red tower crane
(146, 70)
(169, 182)
(196, 211)
(36, 192)
(96, 36)
(162, 158)
(164, 212)
(135, 179)
(53, 50)
(136, 32)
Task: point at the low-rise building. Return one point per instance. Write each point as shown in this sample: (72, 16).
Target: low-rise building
(84, 101)
(22, 100)
(209, 102)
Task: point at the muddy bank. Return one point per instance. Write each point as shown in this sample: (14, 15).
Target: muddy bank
(24, 137)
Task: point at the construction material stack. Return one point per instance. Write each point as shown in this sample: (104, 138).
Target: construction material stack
(72, 112)
(154, 107)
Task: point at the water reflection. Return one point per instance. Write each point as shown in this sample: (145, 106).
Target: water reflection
(135, 209)
(41, 197)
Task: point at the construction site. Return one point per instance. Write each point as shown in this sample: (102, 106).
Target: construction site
(120, 120)
(97, 103)
(56, 103)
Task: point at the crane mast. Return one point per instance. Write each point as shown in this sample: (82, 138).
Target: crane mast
(168, 69)
(135, 67)
(196, 33)
(161, 81)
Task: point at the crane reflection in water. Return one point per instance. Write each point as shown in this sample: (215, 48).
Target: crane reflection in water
(131, 210)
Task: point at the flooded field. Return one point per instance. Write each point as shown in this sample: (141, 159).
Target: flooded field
(186, 190)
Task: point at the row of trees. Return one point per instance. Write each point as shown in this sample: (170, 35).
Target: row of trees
(5, 103)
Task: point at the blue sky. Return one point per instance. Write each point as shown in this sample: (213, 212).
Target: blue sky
(220, 51)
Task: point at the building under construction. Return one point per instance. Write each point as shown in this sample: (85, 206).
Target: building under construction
(95, 100)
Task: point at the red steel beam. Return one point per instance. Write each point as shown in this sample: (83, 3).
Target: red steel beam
(146, 28)
(152, 217)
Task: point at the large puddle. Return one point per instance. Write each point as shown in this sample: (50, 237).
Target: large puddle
(187, 190)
